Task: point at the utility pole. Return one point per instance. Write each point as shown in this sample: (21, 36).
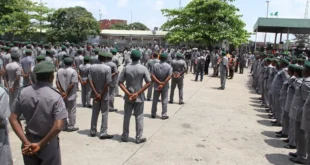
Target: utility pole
(307, 8)
(180, 4)
(131, 17)
(266, 17)
(100, 15)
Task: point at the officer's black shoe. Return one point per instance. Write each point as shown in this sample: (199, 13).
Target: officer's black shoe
(73, 129)
(165, 117)
(89, 106)
(181, 102)
(274, 122)
(171, 102)
(279, 132)
(295, 160)
(286, 140)
(153, 116)
(148, 99)
(290, 147)
(84, 106)
(281, 136)
(106, 136)
(118, 95)
(124, 140)
(113, 110)
(277, 125)
(92, 134)
(139, 141)
(292, 154)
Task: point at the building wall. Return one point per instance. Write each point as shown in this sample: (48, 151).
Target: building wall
(106, 23)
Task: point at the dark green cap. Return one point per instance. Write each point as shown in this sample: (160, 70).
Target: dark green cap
(15, 55)
(298, 68)
(275, 60)
(135, 54)
(285, 61)
(28, 46)
(46, 45)
(68, 60)
(11, 45)
(7, 48)
(28, 51)
(179, 55)
(40, 58)
(103, 54)
(63, 47)
(110, 55)
(114, 51)
(164, 55)
(65, 56)
(268, 59)
(292, 67)
(87, 58)
(49, 52)
(96, 50)
(307, 64)
(224, 53)
(44, 67)
(300, 60)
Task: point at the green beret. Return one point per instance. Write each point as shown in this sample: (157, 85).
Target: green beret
(135, 54)
(40, 58)
(63, 47)
(103, 54)
(224, 53)
(65, 56)
(68, 60)
(28, 51)
(35, 43)
(28, 46)
(87, 58)
(96, 50)
(300, 60)
(110, 55)
(179, 55)
(285, 61)
(7, 48)
(44, 67)
(268, 59)
(292, 67)
(164, 55)
(298, 68)
(11, 45)
(15, 55)
(288, 58)
(114, 51)
(307, 64)
(49, 52)
(46, 45)
(275, 60)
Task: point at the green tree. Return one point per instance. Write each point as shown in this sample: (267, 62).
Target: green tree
(120, 26)
(205, 21)
(302, 40)
(40, 13)
(73, 24)
(138, 26)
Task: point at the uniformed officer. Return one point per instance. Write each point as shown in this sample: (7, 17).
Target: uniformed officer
(150, 65)
(305, 122)
(216, 64)
(161, 74)
(193, 60)
(39, 59)
(78, 59)
(200, 64)
(127, 58)
(67, 81)
(115, 59)
(6, 57)
(45, 111)
(83, 74)
(178, 69)
(134, 74)
(13, 75)
(100, 78)
(95, 58)
(296, 113)
(27, 63)
(5, 149)
(114, 83)
(223, 65)
(60, 55)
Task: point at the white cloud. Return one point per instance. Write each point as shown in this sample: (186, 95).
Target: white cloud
(122, 3)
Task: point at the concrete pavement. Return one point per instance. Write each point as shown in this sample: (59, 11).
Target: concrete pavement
(213, 127)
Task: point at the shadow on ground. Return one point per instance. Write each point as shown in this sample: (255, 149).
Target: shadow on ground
(278, 159)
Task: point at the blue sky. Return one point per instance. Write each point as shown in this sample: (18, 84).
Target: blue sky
(148, 11)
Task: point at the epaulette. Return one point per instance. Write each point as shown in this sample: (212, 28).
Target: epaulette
(4, 88)
(54, 89)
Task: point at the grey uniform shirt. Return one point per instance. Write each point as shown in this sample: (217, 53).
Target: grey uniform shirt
(115, 59)
(113, 67)
(133, 75)
(201, 62)
(305, 125)
(151, 63)
(6, 59)
(41, 106)
(84, 71)
(94, 60)
(27, 62)
(178, 66)
(290, 93)
(13, 70)
(100, 74)
(297, 102)
(223, 64)
(4, 106)
(278, 81)
(66, 76)
(78, 60)
(161, 71)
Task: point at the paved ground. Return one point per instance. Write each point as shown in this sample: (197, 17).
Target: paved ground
(213, 127)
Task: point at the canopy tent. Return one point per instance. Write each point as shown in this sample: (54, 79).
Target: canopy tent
(282, 25)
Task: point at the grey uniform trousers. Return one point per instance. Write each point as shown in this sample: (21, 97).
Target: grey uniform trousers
(308, 147)
(164, 101)
(86, 92)
(111, 97)
(263, 90)
(291, 135)
(277, 107)
(48, 155)
(174, 83)
(300, 141)
(150, 90)
(71, 108)
(103, 107)
(5, 149)
(138, 108)
(12, 96)
(193, 65)
(285, 123)
(223, 78)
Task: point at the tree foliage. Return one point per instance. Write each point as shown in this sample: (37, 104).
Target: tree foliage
(205, 21)
(132, 26)
(40, 16)
(74, 24)
(302, 40)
